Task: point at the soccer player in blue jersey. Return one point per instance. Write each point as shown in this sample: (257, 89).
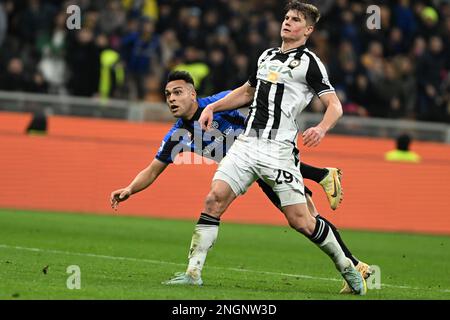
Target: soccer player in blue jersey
(186, 135)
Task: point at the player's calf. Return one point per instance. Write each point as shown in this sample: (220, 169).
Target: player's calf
(299, 219)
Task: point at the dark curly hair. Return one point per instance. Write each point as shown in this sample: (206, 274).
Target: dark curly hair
(180, 75)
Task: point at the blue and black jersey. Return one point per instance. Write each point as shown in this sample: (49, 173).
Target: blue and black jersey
(188, 136)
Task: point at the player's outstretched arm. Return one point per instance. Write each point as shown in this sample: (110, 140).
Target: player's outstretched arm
(313, 136)
(144, 179)
(235, 99)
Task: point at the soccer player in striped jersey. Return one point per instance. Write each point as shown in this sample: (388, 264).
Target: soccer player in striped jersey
(283, 84)
(184, 104)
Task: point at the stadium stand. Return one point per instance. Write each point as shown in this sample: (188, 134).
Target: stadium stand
(125, 48)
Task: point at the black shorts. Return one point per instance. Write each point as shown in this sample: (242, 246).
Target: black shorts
(272, 195)
(308, 192)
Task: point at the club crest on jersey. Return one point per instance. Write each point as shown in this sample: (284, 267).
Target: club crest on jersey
(215, 125)
(294, 63)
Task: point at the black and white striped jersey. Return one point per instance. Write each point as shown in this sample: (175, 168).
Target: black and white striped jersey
(285, 84)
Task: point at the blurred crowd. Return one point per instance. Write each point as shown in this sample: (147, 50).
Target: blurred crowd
(125, 48)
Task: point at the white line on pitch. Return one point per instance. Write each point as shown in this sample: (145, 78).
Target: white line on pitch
(303, 276)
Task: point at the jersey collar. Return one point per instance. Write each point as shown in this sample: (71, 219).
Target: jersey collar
(298, 49)
(196, 115)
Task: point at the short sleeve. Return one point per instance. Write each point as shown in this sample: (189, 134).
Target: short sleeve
(252, 78)
(165, 152)
(317, 76)
(203, 102)
(254, 70)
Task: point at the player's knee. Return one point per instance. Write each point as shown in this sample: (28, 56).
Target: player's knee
(298, 224)
(302, 223)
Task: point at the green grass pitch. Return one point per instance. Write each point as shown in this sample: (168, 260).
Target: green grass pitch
(128, 257)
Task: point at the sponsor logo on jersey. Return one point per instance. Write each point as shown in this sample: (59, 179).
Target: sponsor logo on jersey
(273, 77)
(271, 68)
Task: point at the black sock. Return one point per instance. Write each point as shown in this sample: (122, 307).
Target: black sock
(312, 173)
(207, 219)
(320, 232)
(344, 248)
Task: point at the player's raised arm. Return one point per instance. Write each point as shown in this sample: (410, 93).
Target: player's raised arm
(235, 99)
(143, 180)
(313, 136)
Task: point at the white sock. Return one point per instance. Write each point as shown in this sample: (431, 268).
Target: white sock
(203, 239)
(326, 241)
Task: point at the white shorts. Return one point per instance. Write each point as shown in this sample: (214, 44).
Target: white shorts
(250, 158)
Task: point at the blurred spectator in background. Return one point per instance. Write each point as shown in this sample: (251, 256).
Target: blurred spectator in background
(361, 94)
(52, 46)
(402, 152)
(396, 44)
(83, 58)
(3, 23)
(112, 18)
(192, 62)
(37, 18)
(255, 47)
(348, 30)
(428, 22)
(142, 51)
(372, 60)
(388, 93)
(240, 71)
(219, 73)
(189, 29)
(344, 66)
(446, 98)
(399, 71)
(17, 79)
(144, 8)
(408, 85)
(405, 20)
(170, 46)
(431, 71)
(112, 73)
